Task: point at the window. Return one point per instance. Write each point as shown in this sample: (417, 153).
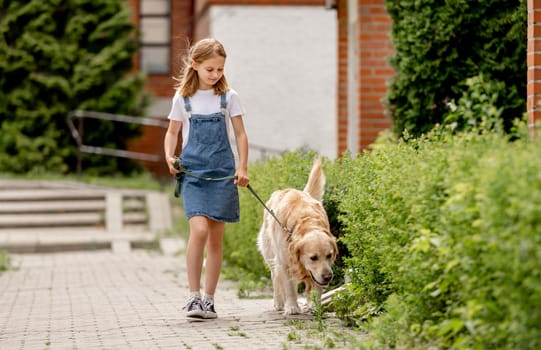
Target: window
(155, 24)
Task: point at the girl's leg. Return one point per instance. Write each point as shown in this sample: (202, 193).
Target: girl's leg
(199, 231)
(213, 265)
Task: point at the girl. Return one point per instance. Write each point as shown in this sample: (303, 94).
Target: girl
(202, 107)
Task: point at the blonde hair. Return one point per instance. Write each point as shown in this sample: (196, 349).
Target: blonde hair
(188, 80)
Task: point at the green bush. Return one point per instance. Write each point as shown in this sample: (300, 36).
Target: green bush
(477, 107)
(58, 56)
(443, 233)
(439, 236)
(439, 45)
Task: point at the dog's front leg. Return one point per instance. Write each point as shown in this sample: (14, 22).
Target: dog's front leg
(291, 306)
(278, 290)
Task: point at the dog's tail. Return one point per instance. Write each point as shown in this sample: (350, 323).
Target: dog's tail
(315, 186)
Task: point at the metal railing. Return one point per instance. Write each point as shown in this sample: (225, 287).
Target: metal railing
(77, 134)
(78, 131)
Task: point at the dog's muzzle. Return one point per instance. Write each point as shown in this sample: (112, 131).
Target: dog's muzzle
(327, 278)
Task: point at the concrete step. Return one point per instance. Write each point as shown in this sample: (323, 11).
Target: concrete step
(48, 220)
(53, 206)
(31, 213)
(31, 195)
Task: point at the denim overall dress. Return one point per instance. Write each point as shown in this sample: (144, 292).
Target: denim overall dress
(208, 153)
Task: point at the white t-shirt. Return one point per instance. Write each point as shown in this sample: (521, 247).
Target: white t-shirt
(203, 102)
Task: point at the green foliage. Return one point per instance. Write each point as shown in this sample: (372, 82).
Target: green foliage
(477, 106)
(440, 234)
(443, 233)
(57, 56)
(5, 261)
(440, 45)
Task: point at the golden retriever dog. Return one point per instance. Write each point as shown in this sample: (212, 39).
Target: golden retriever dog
(305, 253)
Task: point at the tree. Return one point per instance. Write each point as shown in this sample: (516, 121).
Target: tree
(440, 45)
(57, 56)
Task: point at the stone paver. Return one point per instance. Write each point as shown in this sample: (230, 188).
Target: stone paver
(131, 300)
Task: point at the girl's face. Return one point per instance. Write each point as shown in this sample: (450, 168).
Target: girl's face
(210, 71)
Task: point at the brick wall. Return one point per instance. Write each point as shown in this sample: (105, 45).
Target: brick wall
(374, 71)
(162, 85)
(534, 64)
(190, 22)
(342, 83)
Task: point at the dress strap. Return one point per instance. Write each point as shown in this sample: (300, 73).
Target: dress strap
(187, 106)
(223, 104)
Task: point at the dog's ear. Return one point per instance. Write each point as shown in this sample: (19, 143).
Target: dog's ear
(334, 247)
(294, 251)
(295, 267)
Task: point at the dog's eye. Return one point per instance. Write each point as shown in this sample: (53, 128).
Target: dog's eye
(329, 256)
(313, 258)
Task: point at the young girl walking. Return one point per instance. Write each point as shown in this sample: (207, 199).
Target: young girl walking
(202, 107)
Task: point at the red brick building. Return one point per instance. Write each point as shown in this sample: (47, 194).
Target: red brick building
(362, 70)
(534, 64)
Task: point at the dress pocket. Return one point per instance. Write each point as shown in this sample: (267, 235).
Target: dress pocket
(208, 130)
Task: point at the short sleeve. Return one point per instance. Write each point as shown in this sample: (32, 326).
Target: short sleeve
(178, 112)
(235, 106)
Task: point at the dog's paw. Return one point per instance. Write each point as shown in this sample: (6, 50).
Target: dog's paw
(278, 306)
(306, 306)
(291, 309)
(278, 302)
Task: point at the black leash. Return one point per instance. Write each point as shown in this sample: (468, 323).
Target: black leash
(270, 212)
(183, 170)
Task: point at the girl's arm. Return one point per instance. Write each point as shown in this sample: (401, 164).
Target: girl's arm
(242, 148)
(170, 144)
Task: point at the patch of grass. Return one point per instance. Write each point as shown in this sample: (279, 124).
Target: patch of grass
(294, 336)
(180, 226)
(235, 331)
(323, 332)
(317, 310)
(250, 289)
(5, 261)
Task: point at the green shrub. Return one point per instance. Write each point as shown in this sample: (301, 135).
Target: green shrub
(58, 56)
(439, 45)
(478, 106)
(443, 233)
(440, 237)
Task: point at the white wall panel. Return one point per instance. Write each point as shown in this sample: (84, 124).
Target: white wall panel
(282, 61)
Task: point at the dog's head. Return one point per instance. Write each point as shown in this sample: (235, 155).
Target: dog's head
(316, 251)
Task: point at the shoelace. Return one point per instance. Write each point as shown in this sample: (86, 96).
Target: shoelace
(191, 301)
(208, 304)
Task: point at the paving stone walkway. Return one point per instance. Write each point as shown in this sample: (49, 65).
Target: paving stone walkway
(133, 299)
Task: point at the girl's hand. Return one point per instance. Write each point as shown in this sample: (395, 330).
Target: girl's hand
(242, 179)
(171, 164)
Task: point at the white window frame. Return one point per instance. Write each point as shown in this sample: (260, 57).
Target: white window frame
(155, 39)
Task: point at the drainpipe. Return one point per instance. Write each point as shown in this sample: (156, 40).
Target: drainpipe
(353, 77)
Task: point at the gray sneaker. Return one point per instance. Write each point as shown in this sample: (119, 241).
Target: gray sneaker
(194, 308)
(209, 308)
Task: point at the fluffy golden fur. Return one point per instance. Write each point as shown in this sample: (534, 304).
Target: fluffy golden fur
(307, 254)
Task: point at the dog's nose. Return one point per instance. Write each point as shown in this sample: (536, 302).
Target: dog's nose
(327, 277)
